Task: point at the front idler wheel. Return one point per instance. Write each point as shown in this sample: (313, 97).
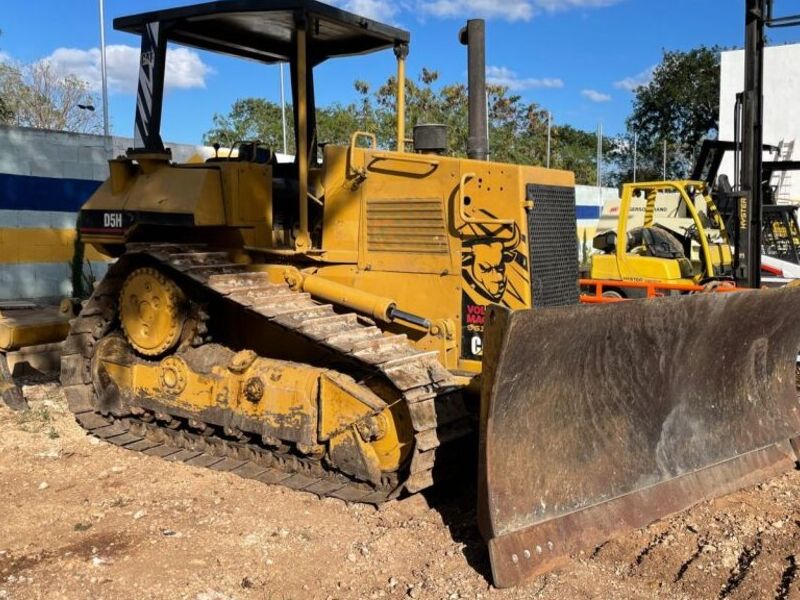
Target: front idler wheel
(152, 311)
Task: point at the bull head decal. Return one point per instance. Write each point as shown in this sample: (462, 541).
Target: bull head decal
(485, 259)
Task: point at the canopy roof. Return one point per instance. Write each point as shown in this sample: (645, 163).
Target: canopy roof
(262, 29)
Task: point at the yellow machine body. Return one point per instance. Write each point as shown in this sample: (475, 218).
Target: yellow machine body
(437, 236)
(186, 195)
(679, 211)
(289, 402)
(24, 325)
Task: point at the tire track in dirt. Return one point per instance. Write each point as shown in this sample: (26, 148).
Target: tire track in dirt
(701, 544)
(645, 552)
(787, 578)
(105, 544)
(747, 557)
(736, 549)
(773, 572)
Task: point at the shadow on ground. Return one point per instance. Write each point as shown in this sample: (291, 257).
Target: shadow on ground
(455, 497)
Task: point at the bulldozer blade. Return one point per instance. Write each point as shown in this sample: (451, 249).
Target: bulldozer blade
(600, 419)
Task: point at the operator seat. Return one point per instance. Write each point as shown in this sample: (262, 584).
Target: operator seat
(657, 242)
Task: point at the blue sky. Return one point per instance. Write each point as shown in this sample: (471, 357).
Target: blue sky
(577, 58)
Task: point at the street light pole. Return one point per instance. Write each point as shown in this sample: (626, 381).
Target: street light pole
(549, 134)
(104, 74)
(600, 160)
(283, 112)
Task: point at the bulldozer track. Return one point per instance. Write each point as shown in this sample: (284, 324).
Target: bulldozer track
(418, 376)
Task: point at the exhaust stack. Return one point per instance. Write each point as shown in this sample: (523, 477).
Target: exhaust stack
(474, 37)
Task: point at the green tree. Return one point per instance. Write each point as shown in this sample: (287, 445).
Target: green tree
(576, 150)
(424, 104)
(517, 129)
(336, 123)
(680, 107)
(35, 95)
(6, 114)
(251, 119)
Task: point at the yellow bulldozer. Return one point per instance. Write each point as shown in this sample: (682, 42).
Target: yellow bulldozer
(331, 323)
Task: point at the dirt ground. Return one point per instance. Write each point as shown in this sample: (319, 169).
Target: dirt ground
(83, 519)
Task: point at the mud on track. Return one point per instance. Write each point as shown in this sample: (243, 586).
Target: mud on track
(82, 519)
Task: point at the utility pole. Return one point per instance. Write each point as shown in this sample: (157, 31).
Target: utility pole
(549, 129)
(664, 178)
(283, 112)
(104, 77)
(600, 161)
(635, 153)
(488, 147)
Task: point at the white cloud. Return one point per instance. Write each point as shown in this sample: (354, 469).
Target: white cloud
(631, 84)
(556, 5)
(379, 10)
(595, 96)
(508, 78)
(4, 57)
(509, 10)
(185, 69)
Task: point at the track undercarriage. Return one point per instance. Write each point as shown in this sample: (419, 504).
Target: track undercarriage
(185, 354)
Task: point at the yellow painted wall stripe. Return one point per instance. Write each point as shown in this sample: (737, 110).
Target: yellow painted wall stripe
(40, 246)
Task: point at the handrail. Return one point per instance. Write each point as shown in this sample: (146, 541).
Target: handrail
(361, 172)
(420, 159)
(366, 134)
(462, 207)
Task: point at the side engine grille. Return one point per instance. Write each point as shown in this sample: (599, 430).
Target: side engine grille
(406, 225)
(553, 243)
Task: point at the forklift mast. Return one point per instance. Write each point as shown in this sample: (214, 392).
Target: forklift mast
(759, 15)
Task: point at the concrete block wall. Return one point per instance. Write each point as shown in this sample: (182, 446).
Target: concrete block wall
(45, 176)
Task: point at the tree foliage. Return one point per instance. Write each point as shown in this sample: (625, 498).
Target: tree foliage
(249, 119)
(35, 95)
(680, 107)
(5, 112)
(517, 129)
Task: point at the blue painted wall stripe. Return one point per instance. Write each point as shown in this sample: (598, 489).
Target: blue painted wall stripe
(588, 212)
(25, 192)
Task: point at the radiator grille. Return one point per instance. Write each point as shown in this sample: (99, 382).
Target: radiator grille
(553, 240)
(413, 226)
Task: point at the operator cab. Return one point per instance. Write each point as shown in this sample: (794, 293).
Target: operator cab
(300, 33)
